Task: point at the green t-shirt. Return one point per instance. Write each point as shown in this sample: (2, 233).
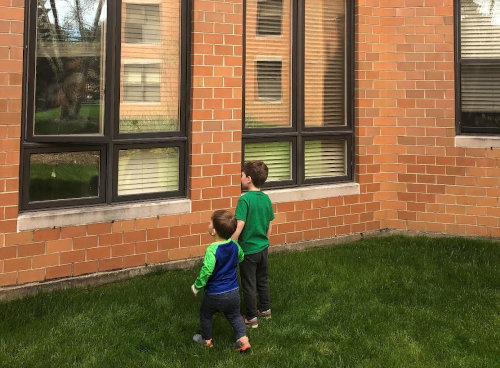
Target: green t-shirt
(255, 209)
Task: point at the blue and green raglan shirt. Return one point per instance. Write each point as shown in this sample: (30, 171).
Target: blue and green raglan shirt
(218, 273)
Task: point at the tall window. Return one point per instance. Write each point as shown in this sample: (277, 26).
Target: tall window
(298, 90)
(104, 120)
(478, 66)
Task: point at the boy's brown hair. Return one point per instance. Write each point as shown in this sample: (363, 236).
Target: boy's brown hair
(257, 170)
(224, 223)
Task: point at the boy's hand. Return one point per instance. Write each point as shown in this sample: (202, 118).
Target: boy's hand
(193, 290)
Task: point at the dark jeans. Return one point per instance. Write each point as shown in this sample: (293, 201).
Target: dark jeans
(253, 273)
(227, 303)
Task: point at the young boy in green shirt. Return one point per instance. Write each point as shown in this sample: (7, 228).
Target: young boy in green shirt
(254, 213)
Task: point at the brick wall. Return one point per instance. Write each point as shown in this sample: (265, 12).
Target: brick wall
(411, 175)
(406, 110)
(11, 64)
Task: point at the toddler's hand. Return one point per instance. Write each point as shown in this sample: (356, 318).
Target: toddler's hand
(193, 290)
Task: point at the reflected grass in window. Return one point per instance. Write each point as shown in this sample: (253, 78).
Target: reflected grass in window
(63, 175)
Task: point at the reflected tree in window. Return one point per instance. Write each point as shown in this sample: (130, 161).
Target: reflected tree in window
(69, 67)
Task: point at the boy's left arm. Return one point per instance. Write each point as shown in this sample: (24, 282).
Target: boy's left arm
(205, 272)
(239, 228)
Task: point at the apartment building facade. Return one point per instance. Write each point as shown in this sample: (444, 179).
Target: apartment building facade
(123, 124)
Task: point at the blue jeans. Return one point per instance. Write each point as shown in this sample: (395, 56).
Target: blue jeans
(227, 303)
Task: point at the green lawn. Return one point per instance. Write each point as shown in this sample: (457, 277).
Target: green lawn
(381, 302)
(48, 123)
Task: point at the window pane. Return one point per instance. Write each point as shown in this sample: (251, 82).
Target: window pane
(268, 64)
(142, 23)
(480, 29)
(480, 95)
(325, 158)
(69, 75)
(63, 175)
(150, 57)
(324, 85)
(269, 17)
(276, 155)
(148, 170)
(269, 80)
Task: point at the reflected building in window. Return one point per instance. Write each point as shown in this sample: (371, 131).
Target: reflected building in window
(150, 67)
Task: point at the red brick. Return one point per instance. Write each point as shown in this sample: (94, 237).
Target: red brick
(73, 256)
(110, 264)
(98, 253)
(45, 261)
(30, 276)
(99, 228)
(31, 249)
(58, 272)
(57, 246)
(85, 268)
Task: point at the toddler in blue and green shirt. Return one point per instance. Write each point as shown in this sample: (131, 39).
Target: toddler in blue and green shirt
(218, 276)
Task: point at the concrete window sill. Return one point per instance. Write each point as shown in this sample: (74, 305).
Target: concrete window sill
(102, 213)
(313, 192)
(477, 141)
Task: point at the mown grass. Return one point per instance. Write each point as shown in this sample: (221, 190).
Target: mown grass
(381, 302)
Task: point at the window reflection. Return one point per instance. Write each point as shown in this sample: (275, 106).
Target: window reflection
(69, 66)
(64, 175)
(149, 87)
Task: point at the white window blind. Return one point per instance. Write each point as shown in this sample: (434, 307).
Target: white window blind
(276, 155)
(268, 53)
(324, 85)
(325, 158)
(148, 170)
(480, 87)
(480, 29)
(480, 45)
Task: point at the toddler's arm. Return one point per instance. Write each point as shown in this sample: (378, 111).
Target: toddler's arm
(205, 272)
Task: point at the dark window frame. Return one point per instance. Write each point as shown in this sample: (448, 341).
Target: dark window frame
(297, 132)
(461, 127)
(111, 137)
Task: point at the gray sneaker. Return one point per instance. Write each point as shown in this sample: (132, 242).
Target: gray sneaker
(199, 340)
(264, 314)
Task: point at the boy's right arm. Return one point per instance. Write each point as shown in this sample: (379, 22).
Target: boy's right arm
(205, 272)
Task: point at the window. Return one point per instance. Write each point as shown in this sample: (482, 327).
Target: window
(269, 79)
(142, 23)
(141, 82)
(477, 67)
(299, 99)
(269, 14)
(104, 120)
